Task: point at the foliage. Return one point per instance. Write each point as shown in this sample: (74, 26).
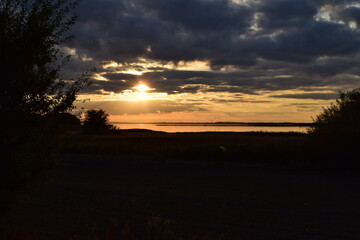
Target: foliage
(66, 121)
(96, 121)
(337, 129)
(31, 35)
(32, 91)
(341, 117)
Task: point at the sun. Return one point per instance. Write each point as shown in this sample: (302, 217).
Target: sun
(142, 88)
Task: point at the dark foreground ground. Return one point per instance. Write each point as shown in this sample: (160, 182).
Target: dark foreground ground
(91, 192)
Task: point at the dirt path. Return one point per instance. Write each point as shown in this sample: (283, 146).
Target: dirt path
(244, 202)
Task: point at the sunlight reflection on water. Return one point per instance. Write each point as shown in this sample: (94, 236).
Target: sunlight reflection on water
(202, 128)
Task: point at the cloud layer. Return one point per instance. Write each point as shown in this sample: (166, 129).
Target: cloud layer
(247, 46)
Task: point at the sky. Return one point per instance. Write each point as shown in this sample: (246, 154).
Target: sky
(215, 60)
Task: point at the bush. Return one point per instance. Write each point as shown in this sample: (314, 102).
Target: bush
(96, 121)
(337, 129)
(341, 117)
(66, 122)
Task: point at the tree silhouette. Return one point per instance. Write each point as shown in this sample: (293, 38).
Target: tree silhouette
(96, 121)
(32, 91)
(31, 33)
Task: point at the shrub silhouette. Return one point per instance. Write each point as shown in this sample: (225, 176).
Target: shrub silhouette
(96, 121)
(341, 117)
(67, 120)
(336, 130)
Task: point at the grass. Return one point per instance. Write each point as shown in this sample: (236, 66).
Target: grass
(200, 180)
(291, 149)
(156, 228)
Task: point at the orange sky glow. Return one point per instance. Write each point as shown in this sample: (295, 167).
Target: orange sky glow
(215, 60)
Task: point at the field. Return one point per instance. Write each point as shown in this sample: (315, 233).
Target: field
(164, 186)
(239, 147)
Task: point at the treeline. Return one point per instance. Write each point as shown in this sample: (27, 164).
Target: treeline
(256, 124)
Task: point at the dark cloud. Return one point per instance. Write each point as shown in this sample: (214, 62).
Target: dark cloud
(240, 100)
(350, 14)
(107, 87)
(119, 76)
(201, 15)
(319, 96)
(249, 82)
(142, 107)
(264, 39)
(319, 39)
(287, 13)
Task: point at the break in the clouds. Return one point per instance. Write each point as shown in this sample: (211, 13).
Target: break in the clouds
(220, 46)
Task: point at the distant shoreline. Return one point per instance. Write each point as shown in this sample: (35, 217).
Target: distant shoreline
(230, 124)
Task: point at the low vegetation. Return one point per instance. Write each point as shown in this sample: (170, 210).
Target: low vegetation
(336, 131)
(96, 121)
(341, 118)
(330, 143)
(156, 228)
(257, 147)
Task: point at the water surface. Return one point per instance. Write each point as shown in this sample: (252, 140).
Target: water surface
(208, 128)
